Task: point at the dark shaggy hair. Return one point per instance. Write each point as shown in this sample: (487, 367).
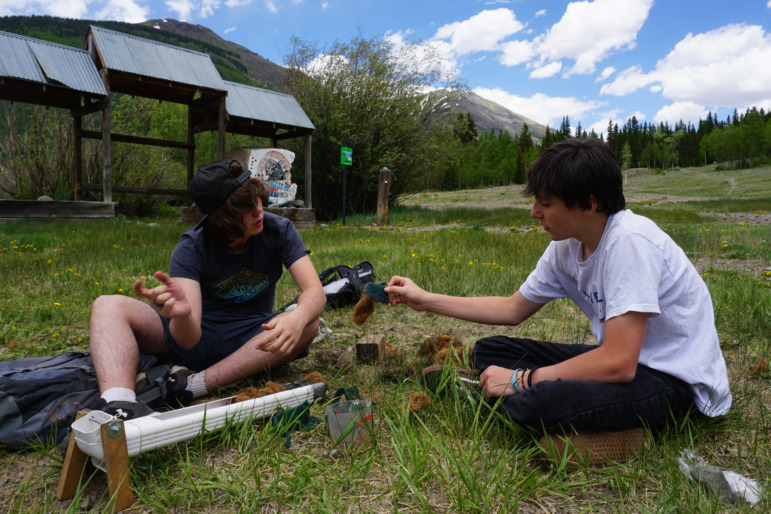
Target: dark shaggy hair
(574, 170)
(224, 224)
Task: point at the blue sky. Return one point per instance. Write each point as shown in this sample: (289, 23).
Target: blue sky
(659, 60)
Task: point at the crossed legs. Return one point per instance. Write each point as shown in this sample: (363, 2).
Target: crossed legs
(122, 327)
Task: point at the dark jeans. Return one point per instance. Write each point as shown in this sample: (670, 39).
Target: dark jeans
(652, 398)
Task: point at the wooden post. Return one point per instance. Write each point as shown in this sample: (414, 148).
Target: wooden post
(77, 164)
(191, 148)
(384, 186)
(308, 199)
(116, 461)
(107, 148)
(72, 469)
(221, 126)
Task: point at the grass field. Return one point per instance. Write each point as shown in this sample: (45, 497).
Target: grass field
(449, 456)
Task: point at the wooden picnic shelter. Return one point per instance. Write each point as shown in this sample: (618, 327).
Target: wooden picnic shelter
(81, 80)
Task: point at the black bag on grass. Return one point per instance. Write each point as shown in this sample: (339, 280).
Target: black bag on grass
(344, 285)
(41, 396)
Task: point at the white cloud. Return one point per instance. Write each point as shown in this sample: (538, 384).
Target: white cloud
(271, 6)
(539, 107)
(123, 10)
(188, 9)
(546, 71)
(229, 30)
(481, 32)
(61, 8)
(590, 31)
(628, 81)
(237, 3)
(725, 67)
(324, 6)
(685, 111)
(516, 52)
(131, 11)
(607, 72)
(540, 13)
(208, 7)
(183, 8)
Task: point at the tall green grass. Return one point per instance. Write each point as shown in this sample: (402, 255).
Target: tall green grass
(452, 455)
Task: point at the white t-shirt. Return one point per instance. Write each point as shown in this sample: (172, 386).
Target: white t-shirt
(638, 268)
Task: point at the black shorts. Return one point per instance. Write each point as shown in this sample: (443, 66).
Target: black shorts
(219, 338)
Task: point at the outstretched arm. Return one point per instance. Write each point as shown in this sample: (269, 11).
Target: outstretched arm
(491, 310)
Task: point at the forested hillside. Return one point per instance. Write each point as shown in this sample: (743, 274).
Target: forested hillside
(446, 140)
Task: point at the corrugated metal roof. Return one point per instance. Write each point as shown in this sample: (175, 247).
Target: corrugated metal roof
(40, 61)
(264, 105)
(133, 54)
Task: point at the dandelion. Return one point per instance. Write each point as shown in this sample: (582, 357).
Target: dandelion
(57, 304)
(56, 336)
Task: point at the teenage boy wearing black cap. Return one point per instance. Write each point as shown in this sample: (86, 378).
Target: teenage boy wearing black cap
(213, 312)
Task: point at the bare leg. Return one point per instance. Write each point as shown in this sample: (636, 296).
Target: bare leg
(121, 328)
(248, 360)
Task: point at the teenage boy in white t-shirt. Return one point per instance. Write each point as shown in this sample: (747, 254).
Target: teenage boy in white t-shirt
(658, 356)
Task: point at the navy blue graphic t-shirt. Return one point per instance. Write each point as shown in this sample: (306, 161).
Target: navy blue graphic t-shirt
(238, 284)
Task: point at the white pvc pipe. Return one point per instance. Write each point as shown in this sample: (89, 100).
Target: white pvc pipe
(164, 428)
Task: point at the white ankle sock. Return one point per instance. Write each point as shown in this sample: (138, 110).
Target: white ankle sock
(119, 394)
(196, 384)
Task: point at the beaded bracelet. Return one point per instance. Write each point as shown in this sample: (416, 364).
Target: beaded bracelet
(514, 380)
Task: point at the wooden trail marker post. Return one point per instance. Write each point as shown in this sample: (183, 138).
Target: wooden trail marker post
(384, 187)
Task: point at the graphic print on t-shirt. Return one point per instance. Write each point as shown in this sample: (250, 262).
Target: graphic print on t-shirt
(241, 287)
(597, 303)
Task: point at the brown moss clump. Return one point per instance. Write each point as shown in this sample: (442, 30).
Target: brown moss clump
(418, 401)
(431, 345)
(314, 377)
(248, 393)
(273, 387)
(760, 368)
(363, 310)
(445, 347)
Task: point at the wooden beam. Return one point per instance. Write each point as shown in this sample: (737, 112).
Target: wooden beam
(124, 138)
(136, 189)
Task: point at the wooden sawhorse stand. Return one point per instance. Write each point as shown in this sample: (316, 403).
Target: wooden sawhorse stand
(116, 461)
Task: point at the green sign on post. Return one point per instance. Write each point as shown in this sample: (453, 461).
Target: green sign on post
(346, 156)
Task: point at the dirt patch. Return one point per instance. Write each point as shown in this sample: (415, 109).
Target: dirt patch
(741, 218)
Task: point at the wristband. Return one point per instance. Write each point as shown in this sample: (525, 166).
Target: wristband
(514, 380)
(530, 378)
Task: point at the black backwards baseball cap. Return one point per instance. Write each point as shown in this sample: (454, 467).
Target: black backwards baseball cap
(213, 184)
